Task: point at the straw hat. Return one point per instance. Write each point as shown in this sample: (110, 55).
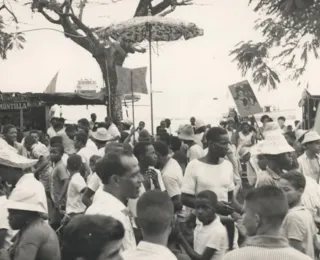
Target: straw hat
(243, 152)
(26, 198)
(300, 133)
(127, 121)
(10, 158)
(310, 136)
(199, 124)
(187, 133)
(101, 135)
(274, 143)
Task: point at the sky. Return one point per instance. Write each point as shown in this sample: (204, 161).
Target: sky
(187, 74)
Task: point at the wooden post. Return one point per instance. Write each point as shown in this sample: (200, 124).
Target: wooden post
(21, 120)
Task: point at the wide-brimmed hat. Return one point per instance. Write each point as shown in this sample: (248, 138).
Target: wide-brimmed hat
(199, 123)
(243, 152)
(310, 136)
(187, 133)
(101, 135)
(274, 142)
(26, 198)
(127, 121)
(299, 134)
(9, 157)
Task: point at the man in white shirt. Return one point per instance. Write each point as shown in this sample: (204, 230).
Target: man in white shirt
(155, 218)
(212, 172)
(120, 174)
(172, 175)
(112, 130)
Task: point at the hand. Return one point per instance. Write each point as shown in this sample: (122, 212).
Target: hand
(152, 174)
(57, 204)
(132, 130)
(224, 208)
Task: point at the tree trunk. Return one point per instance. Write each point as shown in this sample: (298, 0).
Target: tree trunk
(113, 59)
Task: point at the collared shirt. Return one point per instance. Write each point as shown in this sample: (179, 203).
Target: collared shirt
(268, 177)
(106, 204)
(310, 167)
(266, 248)
(146, 250)
(299, 225)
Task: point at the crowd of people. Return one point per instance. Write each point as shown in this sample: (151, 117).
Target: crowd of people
(106, 191)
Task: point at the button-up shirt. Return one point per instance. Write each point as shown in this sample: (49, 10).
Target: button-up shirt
(147, 251)
(310, 167)
(106, 204)
(266, 248)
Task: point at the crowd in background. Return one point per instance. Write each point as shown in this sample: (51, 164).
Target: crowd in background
(106, 191)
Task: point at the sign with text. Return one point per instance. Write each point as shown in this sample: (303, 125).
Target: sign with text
(245, 99)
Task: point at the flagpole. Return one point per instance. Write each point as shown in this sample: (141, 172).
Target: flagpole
(134, 139)
(150, 70)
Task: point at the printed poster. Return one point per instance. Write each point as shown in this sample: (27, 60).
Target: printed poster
(245, 99)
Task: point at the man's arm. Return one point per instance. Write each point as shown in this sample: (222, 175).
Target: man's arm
(206, 255)
(177, 203)
(3, 235)
(234, 202)
(86, 199)
(188, 200)
(296, 244)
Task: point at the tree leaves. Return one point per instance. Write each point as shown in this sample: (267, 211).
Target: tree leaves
(286, 30)
(9, 41)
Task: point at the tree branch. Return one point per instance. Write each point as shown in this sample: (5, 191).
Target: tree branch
(81, 7)
(10, 12)
(49, 18)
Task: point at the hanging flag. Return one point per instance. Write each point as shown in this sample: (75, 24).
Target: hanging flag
(136, 77)
(52, 85)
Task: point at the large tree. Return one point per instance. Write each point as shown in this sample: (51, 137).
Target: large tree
(108, 54)
(290, 31)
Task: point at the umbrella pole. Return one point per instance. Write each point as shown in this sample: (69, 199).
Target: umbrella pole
(150, 70)
(134, 139)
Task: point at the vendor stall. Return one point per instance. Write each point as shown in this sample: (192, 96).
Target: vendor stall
(31, 110)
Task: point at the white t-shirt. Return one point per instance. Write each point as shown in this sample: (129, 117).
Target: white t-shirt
(86, 154)
(91, 145)
(94, 182)
(201, 176)
(113, 131)
(195, 152)
(64, 159)
(172, 177)
(76, 188)
(214, 236)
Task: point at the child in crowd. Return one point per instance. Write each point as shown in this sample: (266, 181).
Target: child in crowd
(211, 240)
(77, 186)
(59, 184)
(298, 226)
(94, 182)
(155, 217)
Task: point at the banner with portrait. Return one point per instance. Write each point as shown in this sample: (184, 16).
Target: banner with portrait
(245, 99)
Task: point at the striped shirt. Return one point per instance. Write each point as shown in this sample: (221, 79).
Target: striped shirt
(266, 248)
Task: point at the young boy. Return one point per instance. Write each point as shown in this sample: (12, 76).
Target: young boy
(94, 182)
(77, 186)
(59, 184)
(211, 240)
(298, 226)
(155, 217)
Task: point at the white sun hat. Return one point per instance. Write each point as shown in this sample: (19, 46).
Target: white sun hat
(300, 133)
(274, 142)
(243, 152)
(26, 198)
(199, 123)
(311, 136)
(9, 157)
(187, 133)
(101, 135)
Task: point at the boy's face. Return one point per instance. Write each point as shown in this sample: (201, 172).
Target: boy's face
(293, 195)
(205, 210)
(55, 154)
